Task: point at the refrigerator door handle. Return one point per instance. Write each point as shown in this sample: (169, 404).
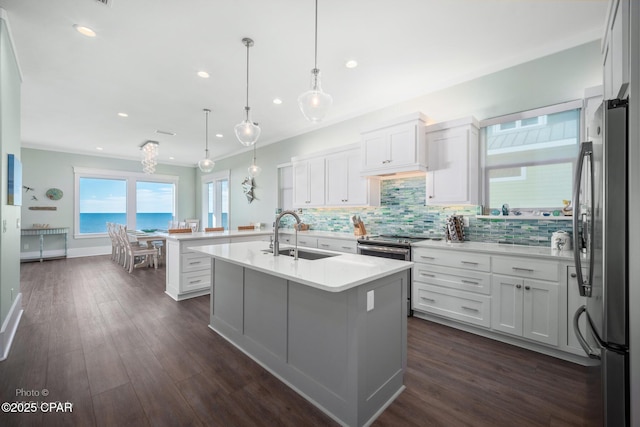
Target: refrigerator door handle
(583, 342)
(584, 286)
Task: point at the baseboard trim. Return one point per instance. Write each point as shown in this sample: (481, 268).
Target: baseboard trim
(10, 326)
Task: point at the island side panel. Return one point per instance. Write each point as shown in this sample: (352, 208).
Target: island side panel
(382, 349)
(265, 311)
(227, 296)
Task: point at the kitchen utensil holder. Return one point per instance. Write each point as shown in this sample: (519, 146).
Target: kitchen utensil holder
(359, 230)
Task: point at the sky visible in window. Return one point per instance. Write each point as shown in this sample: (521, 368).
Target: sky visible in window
(110, 196)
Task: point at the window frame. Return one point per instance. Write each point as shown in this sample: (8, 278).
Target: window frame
(578, 104)
(204, 181)
(132, 179)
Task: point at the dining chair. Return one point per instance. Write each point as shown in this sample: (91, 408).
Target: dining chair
(149, 256)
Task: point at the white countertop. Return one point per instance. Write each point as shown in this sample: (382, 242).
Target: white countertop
(333, 274)
(216, 234)
(498, 249)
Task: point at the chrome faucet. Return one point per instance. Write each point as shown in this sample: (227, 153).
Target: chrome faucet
(276, 241)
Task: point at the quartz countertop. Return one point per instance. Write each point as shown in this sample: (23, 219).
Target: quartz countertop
(198, 235)
(333, 274)
(498, 249)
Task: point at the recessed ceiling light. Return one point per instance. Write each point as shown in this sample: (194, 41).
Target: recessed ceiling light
(219, 135)
(352, 63)
(277, 101)
(203, 74)
(171, 157)
(123, 114)
(99, 148)
(85, 31)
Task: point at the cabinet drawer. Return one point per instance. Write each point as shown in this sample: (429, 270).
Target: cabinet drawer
(309, 242)
(525, 267)
(452, 258)
(339, 245)
(453, 304)
(453, 278)
(195, 261)
(196, 280)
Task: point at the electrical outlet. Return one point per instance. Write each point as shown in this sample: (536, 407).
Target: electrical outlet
(465, 220)
(370, 295)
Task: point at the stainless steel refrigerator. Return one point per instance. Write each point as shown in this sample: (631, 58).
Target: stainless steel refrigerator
(600, 233)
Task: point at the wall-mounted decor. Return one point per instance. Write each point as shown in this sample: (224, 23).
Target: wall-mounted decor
(54, 194)
(247, 188)
(14, 191)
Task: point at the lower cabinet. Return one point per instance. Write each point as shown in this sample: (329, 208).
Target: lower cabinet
(459, 305)
(338, 245)
(526, 308)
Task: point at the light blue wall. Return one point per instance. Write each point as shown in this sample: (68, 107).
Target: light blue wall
(9, 144)
(549, 80)
(46, 169)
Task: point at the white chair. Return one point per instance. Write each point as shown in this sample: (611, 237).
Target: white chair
(149, 256)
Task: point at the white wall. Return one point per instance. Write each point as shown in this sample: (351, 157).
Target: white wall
(545, 81)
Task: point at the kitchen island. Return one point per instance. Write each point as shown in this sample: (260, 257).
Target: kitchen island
(333, 329)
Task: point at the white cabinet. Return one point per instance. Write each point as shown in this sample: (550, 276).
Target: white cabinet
(615, 50)
(308, 182)
(188, 272)
(394, 147)
(454, 285)
(526, 308)
(453, 174)
(344, 184)
(305, 241)
(338, 245)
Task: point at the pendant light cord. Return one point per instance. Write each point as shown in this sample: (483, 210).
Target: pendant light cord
(247, 43)
(315, 59)
(206, 133)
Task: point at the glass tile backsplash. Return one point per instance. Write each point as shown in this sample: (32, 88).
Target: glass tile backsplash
(402, 210)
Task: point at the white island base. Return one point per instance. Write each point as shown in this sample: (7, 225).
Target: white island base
(326, 345)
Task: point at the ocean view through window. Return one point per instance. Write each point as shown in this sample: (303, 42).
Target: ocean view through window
(124, 198)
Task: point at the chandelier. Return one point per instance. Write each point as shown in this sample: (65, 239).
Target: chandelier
(149, 156)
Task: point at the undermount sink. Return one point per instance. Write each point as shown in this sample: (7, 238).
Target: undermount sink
(308, 255)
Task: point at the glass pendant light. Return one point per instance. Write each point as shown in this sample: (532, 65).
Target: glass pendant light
(206, 165)
(247, 131)
(314, 103)
(254, 170)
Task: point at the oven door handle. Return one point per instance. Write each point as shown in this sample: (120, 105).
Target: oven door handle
(384, 249)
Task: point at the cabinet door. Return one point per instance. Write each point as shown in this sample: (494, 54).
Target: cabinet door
(540, 311)
(336, 171)
(402, 145)
(375, 150)
(506, 310)
(301, 184)
(316, 182)
(357, 193)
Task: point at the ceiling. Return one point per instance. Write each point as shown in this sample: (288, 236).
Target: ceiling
(146, 54)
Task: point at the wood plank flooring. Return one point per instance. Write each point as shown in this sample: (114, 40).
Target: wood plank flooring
(125, 354)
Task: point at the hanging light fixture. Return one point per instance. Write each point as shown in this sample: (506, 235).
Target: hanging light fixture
(206, 165)
(247, 131)
(254, 170)
(314, 103)
(149, 156)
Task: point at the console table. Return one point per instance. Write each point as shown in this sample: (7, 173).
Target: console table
(41, 232)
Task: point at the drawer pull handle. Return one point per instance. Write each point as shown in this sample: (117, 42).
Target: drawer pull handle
(527, 288)
(427, 275)
(324, 245)
(195, 262)
(528, 270)
(346, 247)
(464, 307)
(518, 286)
(470, 282)
(427, 257)
(428, 299)
(469, 262)
(195, 281)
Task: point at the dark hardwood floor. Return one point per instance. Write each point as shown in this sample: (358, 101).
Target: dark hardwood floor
(124, 353)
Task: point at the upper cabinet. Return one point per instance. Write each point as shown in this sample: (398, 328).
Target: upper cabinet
(615, 50)
(453, 175)
(394, 147)
(331, 179)
(308, 182)
(344, 184)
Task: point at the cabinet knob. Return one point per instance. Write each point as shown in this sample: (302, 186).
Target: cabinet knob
(431, 197)
(527, 287)
(518, 286)
(574, 275)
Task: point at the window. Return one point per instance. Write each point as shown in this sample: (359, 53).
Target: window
(140, 201)
(215, 199)
(529, 157)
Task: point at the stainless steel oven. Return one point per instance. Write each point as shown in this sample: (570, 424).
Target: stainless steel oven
(390, 246)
